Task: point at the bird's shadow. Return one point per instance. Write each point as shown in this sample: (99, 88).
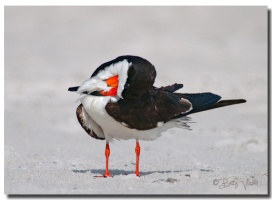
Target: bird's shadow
(116, 172)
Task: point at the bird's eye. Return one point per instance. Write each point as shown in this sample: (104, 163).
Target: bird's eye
(127, 85)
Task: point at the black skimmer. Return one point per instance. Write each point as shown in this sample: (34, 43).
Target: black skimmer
(120, 102)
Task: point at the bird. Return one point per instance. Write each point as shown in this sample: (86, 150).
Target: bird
(120, 102)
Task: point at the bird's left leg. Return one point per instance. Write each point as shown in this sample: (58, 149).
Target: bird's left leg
(137, 151)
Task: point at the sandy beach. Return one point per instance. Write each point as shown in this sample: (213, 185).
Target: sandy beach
(208, 49)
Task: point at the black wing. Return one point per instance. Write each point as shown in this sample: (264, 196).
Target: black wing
(207, 101)
(163, 105)
(144, 113)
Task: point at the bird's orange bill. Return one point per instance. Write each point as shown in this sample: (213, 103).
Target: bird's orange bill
(111, 82)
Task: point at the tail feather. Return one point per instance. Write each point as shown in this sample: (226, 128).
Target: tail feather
(224, 103)
(206, 101)
(200, 101)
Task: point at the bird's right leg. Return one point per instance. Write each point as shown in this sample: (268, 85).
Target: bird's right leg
(107, 154)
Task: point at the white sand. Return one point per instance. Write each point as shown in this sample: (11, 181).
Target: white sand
(221, 50)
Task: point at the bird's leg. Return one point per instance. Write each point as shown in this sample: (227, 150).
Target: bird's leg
(107, 154)
(137, 151)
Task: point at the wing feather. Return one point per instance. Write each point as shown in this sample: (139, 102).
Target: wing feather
(146, 112)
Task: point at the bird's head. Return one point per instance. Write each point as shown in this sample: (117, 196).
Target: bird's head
(127, 77)
(108, 79)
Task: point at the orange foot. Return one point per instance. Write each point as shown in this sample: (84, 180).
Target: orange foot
(106, 175)
(137, 174)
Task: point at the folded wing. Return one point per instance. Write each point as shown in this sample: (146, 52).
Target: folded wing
(146, 112)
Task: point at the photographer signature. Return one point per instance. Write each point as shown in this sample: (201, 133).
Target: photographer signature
(224, 183)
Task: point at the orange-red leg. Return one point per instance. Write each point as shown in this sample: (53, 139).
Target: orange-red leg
(107, 154)
(137, 151)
